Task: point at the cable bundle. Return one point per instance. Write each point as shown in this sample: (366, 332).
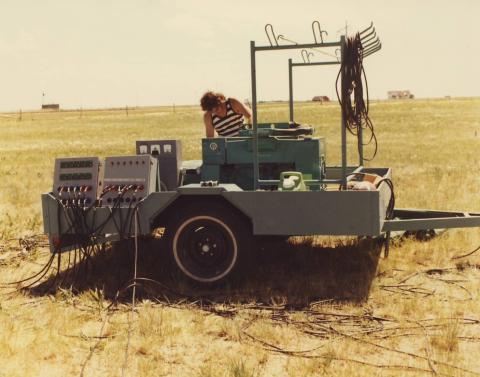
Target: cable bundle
(391, 203)
(356, 112)
(84, 234)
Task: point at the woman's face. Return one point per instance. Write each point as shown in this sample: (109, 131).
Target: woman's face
(218, 110)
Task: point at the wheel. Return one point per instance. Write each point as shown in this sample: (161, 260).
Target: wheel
(208, 241)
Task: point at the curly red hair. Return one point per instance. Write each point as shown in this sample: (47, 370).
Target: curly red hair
(210, 100)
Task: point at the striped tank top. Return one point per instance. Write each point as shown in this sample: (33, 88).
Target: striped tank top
(230, 124)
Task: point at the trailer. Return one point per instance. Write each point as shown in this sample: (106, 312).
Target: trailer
(271, 180)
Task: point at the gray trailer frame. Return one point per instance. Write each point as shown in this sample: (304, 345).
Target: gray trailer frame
(290, 213)
(284, 213)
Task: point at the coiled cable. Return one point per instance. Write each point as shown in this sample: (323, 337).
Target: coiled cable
(351, 95)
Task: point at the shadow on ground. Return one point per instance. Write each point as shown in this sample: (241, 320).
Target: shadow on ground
(288, 273)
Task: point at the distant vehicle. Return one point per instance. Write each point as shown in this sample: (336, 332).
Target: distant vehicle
(321, 99)
(51, 106)
(400, 94)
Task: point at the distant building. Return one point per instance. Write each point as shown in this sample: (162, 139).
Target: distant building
(321, 99)
(51, 106)
(400, 94)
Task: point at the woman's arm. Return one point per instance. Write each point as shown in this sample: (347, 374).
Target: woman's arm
(240, 108)
(207, 119)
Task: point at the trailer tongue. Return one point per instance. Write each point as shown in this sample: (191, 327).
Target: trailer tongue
(421, 219)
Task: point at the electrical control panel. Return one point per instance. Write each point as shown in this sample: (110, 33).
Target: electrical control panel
(169, 156)
(76, 180)
(128, 179)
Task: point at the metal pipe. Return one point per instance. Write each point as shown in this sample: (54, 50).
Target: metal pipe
(368, 28)
(371, 53)
(360, 145)
(376, 48)
(269, 182)
(254, 116)
(299, 46)
(371, 44)
(303, 53)
(368, 35)
(314, 63)
(268, 34)
(290, 89)
(368, 40)
(320, 31)
(344, 119)
(372, 50)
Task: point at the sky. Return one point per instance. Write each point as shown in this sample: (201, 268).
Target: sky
(116, 53)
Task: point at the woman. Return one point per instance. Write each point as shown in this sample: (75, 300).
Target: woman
(224, 116)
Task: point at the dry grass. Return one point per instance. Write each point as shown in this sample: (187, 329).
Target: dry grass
(311, 306)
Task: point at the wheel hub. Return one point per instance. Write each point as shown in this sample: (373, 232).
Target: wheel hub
(205, 248)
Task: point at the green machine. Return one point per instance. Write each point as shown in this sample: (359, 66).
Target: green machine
(281, 147)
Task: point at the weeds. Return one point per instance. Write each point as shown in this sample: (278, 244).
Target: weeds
(239, 368)
(448, 338)
(304, 301)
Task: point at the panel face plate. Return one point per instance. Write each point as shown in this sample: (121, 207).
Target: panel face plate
(169, 156)
(76, 180)
(128, 179)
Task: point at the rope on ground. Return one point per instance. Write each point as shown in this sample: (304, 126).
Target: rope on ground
(466, 255)
(134, 290)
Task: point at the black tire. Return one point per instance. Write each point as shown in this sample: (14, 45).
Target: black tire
(208, 241)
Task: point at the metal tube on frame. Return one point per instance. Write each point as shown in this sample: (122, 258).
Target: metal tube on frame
(344, 120)
(314, 63)
(254, 117)
(257, 182)
(290, 89)
(360, 145)
(296, 46)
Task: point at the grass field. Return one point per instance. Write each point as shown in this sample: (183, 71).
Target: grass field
(312, 306)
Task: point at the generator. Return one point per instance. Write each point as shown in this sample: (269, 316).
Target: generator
(282, 147)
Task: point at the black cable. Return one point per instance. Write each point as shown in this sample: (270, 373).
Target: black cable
(391, 203)
(83, 235)
(356, 112)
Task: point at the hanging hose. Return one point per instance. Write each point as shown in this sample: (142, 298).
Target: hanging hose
(391, 203)
(389, 213)
(356, 112)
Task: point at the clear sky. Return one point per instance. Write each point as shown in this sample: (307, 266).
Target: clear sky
(104, 53)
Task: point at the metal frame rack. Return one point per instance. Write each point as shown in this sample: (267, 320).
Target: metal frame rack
(371, 44)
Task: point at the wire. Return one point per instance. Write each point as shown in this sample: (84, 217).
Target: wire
(352, 75)
(134, 286)
(391, 203)
(281, 37)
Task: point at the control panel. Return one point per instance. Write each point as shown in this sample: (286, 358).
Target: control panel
(128, 179)
(76, 180)
(169, 156)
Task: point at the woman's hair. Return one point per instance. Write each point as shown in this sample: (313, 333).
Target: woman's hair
(210, 100)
